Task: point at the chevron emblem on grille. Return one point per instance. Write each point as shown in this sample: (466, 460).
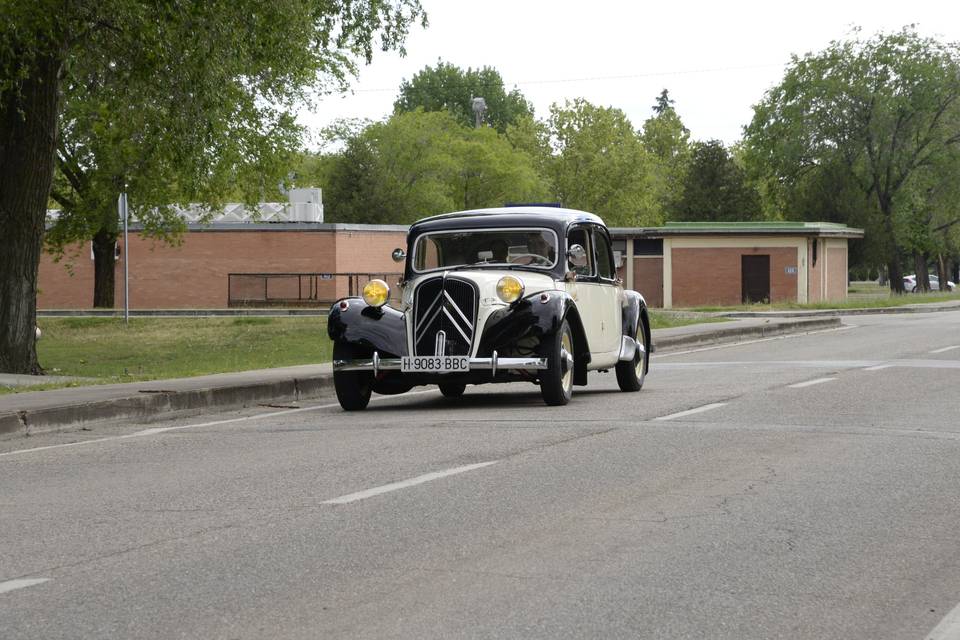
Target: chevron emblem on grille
(444, 317)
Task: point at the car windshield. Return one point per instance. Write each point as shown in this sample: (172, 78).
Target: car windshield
(535, 248)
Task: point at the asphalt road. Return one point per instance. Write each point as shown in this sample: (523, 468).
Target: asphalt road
(809, 488)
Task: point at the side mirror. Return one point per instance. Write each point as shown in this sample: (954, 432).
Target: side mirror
(577, 255)
(398, 255)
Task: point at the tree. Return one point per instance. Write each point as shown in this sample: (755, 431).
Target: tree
(120, 133)
(882, 108)
(664, 103)
(448, 87)
(715, 188)
(668, 141)
(601, 165)
(245, 53)
(422, 163)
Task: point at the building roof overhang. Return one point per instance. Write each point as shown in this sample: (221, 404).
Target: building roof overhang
(773, 228)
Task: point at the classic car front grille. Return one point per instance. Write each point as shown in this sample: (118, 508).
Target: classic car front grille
(448, 306)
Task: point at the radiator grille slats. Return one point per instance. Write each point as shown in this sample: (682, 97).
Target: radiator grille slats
(449, 306)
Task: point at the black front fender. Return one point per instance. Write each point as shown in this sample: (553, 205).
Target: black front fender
(524, 318)
(382, 329)
(633, 307)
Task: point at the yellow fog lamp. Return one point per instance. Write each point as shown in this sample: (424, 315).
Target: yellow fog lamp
(376, 293)
(510, 289)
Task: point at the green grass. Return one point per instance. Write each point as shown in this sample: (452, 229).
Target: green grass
(104, 350)
(861, 296)
(155, 348)
(667, 319)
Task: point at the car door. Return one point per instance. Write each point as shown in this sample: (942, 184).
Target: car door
(609, 293)
(590, 295)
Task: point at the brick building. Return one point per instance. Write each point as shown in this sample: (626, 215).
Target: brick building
(303, 261)
(686, 264)
(288, 263)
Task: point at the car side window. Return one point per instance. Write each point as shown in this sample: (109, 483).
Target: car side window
(581, 236)
(604, 255)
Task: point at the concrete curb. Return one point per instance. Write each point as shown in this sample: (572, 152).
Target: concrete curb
(725, 335)
(143, 405)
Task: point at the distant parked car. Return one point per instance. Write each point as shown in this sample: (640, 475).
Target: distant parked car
(910, 283)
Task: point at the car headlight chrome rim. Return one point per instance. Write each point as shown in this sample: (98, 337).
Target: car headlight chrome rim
(510, 289)
(376, 293)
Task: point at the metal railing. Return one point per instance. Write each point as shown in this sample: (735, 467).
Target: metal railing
(300, 289)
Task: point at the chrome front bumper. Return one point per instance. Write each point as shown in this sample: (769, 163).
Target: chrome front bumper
(376, 364)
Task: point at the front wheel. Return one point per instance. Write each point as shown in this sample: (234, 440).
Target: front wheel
(353, 387)
(630, 373)
(556, 382)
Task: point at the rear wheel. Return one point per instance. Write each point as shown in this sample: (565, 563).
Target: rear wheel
(556, 382)
(452, 389)
(353, 387)
(630, 373)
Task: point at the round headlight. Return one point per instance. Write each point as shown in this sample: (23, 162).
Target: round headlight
(510, 289)
(376, 293)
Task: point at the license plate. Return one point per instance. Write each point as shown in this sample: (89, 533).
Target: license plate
(434, 364)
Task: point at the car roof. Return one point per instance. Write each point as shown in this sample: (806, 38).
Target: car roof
(523, 216)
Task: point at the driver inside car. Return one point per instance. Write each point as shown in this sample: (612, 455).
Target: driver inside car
(537, 245)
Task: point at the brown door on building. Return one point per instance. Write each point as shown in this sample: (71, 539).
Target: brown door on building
(755, 279)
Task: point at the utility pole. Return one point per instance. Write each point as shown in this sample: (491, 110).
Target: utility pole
(125, 215)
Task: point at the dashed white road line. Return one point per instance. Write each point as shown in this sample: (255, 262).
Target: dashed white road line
(13, 585)
(403, 484)
(949, 627)
(810, 383)
(879, 367)
(155, 430)
(690, 412)
(945, 349)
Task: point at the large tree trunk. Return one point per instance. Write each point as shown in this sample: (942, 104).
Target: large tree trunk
(920, 268)
(893, 261)
(28, 137)
(942, 273)
(104, 268)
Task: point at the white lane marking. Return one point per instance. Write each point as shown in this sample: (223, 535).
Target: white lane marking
(727, 345)
(880, 366)
(156, 430)
(393, 486)
(949, 627)
(690, 412)
(945, 349)
(810, 383)
(12, 585)
(808, 364)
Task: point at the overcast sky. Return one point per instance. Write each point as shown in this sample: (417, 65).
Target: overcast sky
(716, 58)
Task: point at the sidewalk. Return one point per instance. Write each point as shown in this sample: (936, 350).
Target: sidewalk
(22, 414)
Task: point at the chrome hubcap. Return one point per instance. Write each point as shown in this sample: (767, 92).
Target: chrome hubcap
(638, 368)
(566, 361)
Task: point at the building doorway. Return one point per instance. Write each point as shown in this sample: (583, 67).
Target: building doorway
(755, 279)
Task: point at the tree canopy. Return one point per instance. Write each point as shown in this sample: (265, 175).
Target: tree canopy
(448, 87)
(601, 164)
(421, 163)
(715, 188)
(880, 110)
(211, 70)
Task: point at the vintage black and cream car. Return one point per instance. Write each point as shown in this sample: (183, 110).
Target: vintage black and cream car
(494, 295)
